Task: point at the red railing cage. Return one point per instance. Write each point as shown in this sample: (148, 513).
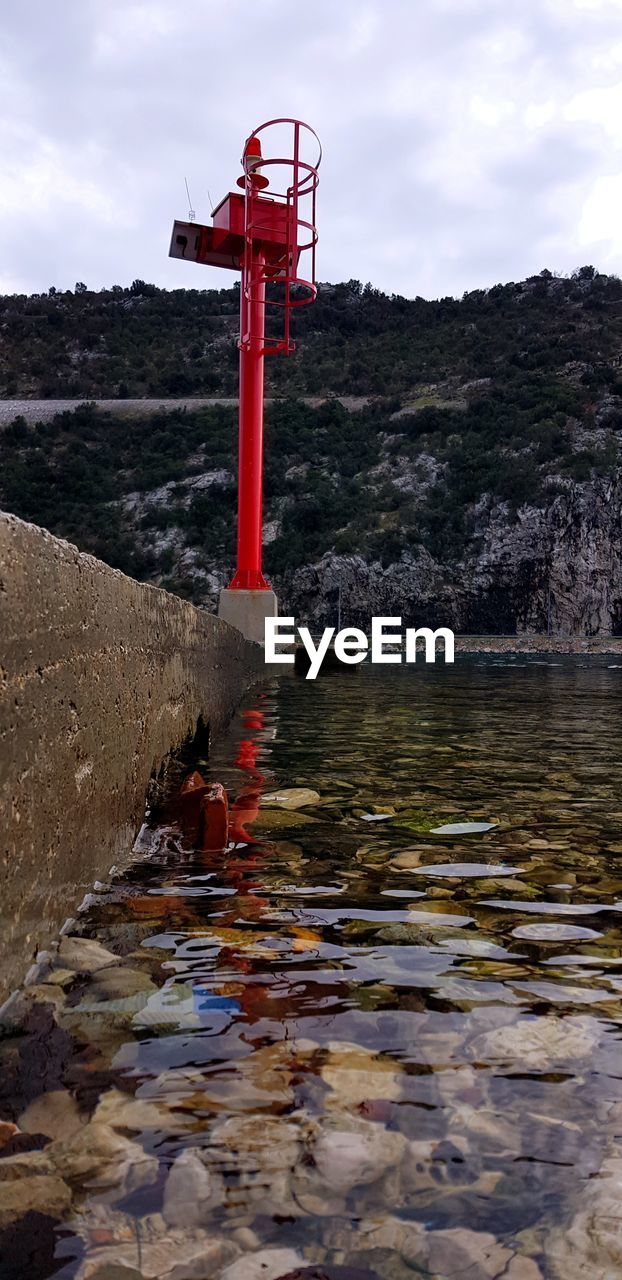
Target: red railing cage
(275, 280)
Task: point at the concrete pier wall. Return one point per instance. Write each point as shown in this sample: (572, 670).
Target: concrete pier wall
(100, 678)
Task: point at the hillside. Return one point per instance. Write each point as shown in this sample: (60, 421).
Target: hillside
(480, 486)
(145, 341)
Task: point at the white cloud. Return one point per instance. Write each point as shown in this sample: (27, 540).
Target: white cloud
(601, 218)
(465, 141)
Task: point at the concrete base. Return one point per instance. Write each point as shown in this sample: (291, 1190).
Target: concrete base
(247, 610)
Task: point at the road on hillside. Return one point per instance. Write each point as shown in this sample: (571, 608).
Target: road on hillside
(43, 410)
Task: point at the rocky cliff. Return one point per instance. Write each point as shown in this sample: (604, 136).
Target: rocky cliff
(557, 570)
(475, 482)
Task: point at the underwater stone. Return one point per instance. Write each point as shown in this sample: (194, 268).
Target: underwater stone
(84, 955)
(292, 797)
(356, 1075)
(268, 1264)
(55, 1114)
(103, 1158)
(538, 1042)
(45, 1195)
(352, 1157)
(176, 1255)
(191, 1191)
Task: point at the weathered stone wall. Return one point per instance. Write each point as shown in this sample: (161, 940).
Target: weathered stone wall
(100, 677)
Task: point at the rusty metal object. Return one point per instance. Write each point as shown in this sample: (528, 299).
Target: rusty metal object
(213, 820)
(195, 782)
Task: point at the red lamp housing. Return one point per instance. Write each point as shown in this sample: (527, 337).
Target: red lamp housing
(266, 233)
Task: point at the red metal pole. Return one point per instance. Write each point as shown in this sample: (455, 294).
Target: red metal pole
(248, 574)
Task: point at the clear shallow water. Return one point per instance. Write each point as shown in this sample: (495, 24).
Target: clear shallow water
(385, 1049)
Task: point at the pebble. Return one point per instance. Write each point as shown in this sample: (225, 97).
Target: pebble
(408, 859)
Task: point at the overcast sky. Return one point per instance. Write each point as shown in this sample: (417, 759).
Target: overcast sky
(466, 142)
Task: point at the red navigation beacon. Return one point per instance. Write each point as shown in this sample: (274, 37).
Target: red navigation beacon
(268, 233)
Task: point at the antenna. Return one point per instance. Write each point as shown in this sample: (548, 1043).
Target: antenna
(191, 213)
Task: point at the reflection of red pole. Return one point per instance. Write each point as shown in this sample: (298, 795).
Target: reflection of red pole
(246, 808)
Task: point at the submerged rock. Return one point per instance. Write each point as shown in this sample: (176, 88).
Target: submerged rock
(125, 1111)
(462, 828)
(521, 1268)
(356, 1075)
(59, 978)
(274, 819)
(468, 870)
(262, 1081)
(541, 1042)
(347, 1158)
(175, 1255)
(292, 797)
(549, 932)
(445, 1254)
(257, 1155)
(84, 955)
(169, 1008)
(111, 1271)
(459, 1251)
(191, 1191)
(268, 1144)
(26, 1164)
(403, 1237)
(119, 982)
(55, 1114)
(44, 1194)
(268, 1264)
(36, 994)
(590, 1247)
(104, 1159)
